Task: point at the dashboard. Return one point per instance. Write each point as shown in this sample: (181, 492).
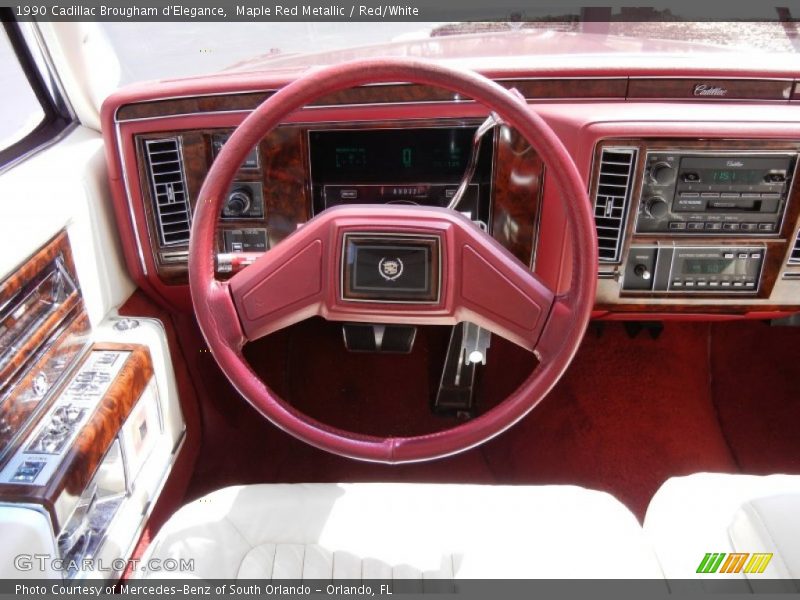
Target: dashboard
(695, 196)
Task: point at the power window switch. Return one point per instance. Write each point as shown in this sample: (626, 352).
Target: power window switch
(28, 471)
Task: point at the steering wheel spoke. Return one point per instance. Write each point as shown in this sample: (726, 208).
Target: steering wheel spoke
(500, 294)
(284, 286)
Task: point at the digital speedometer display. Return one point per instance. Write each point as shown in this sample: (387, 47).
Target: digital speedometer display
(429, 155)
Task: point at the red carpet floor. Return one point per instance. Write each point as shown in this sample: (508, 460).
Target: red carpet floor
(628, 414)
(756, 385)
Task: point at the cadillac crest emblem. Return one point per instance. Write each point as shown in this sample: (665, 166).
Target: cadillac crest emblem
(390, 268)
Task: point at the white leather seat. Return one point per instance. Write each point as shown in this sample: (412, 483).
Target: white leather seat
(715, 513)
(402, 531)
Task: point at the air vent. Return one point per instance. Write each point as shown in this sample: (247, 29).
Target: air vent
(614, 182)
(168, 186)
(794, 257)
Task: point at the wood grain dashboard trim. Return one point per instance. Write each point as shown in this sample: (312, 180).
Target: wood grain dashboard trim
(516, 186)
(713, 89)
(605, 88)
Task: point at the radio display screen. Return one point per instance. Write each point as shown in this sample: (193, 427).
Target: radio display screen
(708, 266)
(732, 176)
(424, 155)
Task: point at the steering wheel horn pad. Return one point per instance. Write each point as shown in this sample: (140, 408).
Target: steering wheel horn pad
(478, 280)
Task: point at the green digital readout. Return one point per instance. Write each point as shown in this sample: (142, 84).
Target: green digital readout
(407, 153)
(708, 266)
(425, 155)
(348, 157)
(739, 176)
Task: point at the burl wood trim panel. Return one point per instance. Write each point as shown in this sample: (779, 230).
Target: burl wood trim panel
(777, 248)
(516, 190)
(18, 405)
(532, 89)
(25, 274)
(82, 459)
(191, 105)
(714, 89)
(284, 175)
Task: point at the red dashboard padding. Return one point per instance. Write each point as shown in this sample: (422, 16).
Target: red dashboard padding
(514, 300)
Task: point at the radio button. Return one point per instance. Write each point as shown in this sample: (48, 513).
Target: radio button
(748, 226)
(751, 195)
(766, 227)
(769, 204)
(726, 284)
(691, 176)
(771, 196)
(730, 195)
(755, 255)
(714, 226)
(702, 283)
(742, 254)
(689, 204)
(709, 195)
(677, 225)
(713, 283)
(738, 284)
(728, 255)
(750, 284)
(677, 284)
(698, 225)
(690, 195)
(690, 284)
(731, 227)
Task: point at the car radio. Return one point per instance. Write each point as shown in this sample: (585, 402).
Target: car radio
(724, 193)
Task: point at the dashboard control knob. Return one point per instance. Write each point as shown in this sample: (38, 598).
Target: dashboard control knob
(642, 271)
(662, 173)
(656, 207)
(238, 203)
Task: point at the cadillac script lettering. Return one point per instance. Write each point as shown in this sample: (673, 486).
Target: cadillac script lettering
(701, 89)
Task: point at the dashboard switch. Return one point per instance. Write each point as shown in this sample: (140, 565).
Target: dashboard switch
(643, 272)
(28, 471)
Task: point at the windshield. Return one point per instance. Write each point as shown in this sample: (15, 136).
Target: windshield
(170, 50)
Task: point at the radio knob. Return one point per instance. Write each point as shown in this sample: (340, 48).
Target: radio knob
(238, 203)
(657, 207)
(642, 271)
(662, 173)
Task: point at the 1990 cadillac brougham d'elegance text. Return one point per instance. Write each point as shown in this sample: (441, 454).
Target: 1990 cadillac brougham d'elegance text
(453, 306)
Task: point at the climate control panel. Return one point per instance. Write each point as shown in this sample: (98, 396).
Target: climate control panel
(694, 269)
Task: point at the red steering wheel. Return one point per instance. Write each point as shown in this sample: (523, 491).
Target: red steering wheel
(468, 275)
